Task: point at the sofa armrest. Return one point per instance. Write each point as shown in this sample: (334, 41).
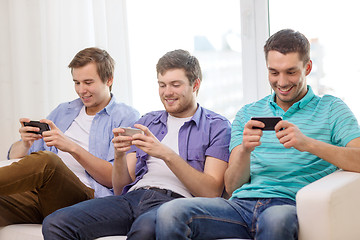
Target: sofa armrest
(328, 208)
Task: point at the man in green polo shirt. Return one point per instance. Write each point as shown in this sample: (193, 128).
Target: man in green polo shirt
(266, 168)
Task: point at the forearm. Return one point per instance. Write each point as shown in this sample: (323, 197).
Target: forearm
(98, 168)
(346, 158)
(198, 183)
(238, 171)
(120, 174)
(18, 150)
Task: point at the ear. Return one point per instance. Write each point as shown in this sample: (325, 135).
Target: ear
(109, 82)
(308, 68)
(196, 85)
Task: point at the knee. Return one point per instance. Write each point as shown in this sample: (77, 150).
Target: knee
(169, 211)
(278, 221)
(143, 228)
(45, 157)
(50, 158)
(53, 225)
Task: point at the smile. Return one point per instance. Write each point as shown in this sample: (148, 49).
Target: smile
(86, 97)
(285, 90)
(170, 100)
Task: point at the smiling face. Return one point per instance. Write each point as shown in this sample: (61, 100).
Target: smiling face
(287, 77)
(92, 91)
(176, 93)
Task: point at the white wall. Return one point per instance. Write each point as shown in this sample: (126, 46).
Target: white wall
(38, 40)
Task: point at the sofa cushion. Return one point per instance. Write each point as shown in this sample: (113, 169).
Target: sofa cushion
(33, 232)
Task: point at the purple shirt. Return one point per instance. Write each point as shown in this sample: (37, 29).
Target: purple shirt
(205, 134)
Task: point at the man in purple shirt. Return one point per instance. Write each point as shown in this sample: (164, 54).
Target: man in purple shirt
(181, 152)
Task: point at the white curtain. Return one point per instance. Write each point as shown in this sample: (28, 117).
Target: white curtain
(38, 39)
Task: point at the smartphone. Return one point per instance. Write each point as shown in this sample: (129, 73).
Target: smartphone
(43, 126)
(269, 122)
(130, 131)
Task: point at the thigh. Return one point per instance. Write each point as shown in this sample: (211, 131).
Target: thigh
(202, 218)
(61, 187)
(20, 208)
(143, 228)
(109, 216)
(277, 222)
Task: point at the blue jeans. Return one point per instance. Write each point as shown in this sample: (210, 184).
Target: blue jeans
(132, 214)
(212, 218)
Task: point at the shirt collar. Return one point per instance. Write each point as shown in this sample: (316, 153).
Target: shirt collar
(110, 107)
(196, 117)
(299, 104)
(78, 104)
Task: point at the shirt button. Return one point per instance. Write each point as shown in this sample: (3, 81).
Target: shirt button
(197, 157)
(162, 132)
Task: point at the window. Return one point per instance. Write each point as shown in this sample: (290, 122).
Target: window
(209, 29)
(331, 28)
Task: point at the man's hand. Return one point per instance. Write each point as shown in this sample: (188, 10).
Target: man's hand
(27, 137)
(290, 136)
(251, 137)
(150, 144)
(56, 138)
(121, 143)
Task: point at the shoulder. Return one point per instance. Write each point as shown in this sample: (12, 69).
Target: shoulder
(208, 114)
(124, 109)
(328, 103)
(66, 106)
(258, 108)
(151, 117)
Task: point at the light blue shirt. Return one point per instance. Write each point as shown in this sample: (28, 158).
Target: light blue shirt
(100, 145)
(278, 172)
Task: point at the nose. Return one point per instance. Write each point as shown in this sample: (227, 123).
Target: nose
(282, 81)
(168, 91)
(82, 88)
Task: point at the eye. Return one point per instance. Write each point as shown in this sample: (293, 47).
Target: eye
(274, 73)
(291, 73)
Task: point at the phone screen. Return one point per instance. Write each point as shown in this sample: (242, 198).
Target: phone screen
(269, 122)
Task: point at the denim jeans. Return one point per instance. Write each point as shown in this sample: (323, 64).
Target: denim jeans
(212, 218)
(132, 214)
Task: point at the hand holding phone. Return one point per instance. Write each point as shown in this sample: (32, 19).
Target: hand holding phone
(130, 131)
(43, 126)
(269, 122)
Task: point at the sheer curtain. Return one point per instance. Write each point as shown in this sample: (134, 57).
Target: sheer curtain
(38, 40)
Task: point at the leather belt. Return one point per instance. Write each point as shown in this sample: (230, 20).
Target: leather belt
(164, 191)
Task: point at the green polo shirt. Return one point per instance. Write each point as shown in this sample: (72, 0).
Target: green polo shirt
(278, 172)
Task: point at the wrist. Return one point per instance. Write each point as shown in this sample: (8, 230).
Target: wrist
(168, 156)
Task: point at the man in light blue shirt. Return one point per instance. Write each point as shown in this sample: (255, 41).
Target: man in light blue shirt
(73, 161)
(266, 168)
(183, 152)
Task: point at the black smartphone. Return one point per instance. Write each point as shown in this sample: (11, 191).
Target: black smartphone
(269, 122)
(43, 126)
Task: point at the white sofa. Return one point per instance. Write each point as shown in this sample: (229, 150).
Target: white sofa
(327, 209)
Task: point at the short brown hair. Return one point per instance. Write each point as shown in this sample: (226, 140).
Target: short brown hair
(180, 59)
(104, 62)
(288, 41)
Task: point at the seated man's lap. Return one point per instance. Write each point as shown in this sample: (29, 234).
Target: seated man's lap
(220, 218)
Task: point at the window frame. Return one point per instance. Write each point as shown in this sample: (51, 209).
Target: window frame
(254, 32)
